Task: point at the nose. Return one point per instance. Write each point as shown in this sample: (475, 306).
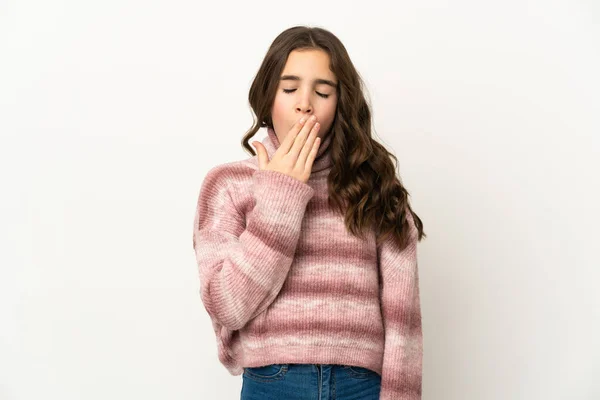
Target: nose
(304, 109)
(304, 105)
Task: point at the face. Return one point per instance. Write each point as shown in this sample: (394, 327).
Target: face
(305, 88)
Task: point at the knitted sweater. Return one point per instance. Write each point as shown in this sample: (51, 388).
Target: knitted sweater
(284, 282)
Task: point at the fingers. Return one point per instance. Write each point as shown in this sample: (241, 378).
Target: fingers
(287, 143)
(312, 143)
(263, 156)
(302, 136)
(296, 153)
(311, 156)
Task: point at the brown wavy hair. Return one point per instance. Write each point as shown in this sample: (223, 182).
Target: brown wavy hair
(362, 184)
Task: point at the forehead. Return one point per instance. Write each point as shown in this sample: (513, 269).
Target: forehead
(308, 64)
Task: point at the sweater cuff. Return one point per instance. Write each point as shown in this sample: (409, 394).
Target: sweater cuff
(278, 192)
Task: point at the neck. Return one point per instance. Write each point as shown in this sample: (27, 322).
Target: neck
(322, 160)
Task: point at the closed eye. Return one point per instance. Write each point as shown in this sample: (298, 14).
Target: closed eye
(293, 90)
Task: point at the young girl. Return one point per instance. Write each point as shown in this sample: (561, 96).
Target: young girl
(307, 251)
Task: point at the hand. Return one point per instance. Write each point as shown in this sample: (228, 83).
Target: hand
(296, 154)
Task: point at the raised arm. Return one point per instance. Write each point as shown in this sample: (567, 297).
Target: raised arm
(243, 260)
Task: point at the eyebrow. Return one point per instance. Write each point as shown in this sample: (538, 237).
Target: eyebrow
(318, 81)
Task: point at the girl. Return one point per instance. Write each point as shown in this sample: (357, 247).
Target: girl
(307, 251)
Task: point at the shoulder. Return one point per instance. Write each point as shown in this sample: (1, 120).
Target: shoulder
(231, 182)
(230, 174)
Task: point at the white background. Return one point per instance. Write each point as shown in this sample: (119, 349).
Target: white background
(112, 112)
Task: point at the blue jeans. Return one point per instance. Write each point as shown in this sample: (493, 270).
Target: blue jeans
(310, 382)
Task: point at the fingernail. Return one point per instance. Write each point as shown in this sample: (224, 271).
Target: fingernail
(302, 120)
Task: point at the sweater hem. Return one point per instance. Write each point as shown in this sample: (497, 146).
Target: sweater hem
(351, 356)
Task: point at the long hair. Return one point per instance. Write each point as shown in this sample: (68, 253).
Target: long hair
(362, 183)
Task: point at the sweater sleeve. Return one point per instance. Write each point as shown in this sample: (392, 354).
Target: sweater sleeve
(401, 310)
(243, 260)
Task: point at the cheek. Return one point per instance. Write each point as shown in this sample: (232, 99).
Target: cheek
(328, 112)
(278, 111)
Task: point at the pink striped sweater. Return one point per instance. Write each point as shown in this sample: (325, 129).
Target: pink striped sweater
(284, 282)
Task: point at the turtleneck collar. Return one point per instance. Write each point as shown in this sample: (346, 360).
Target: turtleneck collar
(322, 160)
